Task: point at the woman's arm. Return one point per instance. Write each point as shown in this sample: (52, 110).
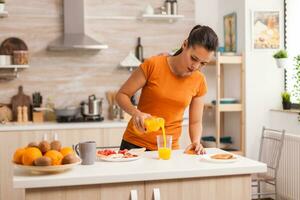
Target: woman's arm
(195, 124)
(135, 82)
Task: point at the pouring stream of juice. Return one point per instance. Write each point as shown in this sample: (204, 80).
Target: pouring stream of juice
(162, 126)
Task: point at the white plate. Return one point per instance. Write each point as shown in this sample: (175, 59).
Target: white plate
(55, 168)
(115, 159)
(209, 159)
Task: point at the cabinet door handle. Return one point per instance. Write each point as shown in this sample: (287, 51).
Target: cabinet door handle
(133, 195)
(156, 194)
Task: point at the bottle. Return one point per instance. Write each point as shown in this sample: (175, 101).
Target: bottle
(154, 124)
(50, 115)
(174, 7)
(25, 114)
(139, 50)
(168, 7)
(19, 115)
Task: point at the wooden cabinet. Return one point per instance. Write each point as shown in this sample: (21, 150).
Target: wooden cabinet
(124, 191)
(212, 188)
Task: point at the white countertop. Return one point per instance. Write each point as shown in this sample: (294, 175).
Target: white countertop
(147, 168)
(59, 126)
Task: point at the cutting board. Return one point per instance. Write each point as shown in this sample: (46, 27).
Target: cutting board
(20, 99)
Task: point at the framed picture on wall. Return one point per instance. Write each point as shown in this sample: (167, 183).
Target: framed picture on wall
(265, 30)
(230, 32)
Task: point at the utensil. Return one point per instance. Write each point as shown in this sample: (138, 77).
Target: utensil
(70, 111)
(67, 112)
(86, 151)
(20, 100)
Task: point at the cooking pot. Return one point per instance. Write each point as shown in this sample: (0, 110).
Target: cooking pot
(93, 107)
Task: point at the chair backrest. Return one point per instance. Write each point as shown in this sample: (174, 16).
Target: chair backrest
(270, 149)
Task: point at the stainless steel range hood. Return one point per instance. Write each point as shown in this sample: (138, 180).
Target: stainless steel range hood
(74, 37)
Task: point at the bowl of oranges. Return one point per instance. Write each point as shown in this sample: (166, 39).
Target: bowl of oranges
(46, 157)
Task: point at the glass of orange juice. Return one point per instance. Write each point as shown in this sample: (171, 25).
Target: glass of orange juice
(164, 152)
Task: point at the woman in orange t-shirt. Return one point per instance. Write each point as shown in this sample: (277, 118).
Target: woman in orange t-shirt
(169, 84)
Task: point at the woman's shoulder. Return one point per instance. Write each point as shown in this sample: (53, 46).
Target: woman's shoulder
(156, 59)
(199, 75)
(152, 65)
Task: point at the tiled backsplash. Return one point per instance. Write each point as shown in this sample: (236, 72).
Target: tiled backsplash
(69, 77)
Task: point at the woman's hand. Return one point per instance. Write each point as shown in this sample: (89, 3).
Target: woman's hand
(138, 120)
(197, 147)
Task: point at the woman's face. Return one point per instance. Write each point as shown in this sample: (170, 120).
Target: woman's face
(195, 57)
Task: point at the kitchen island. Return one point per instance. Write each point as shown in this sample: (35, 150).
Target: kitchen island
(106, 133)
(182, 177)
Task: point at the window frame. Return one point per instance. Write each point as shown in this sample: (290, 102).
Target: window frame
(294, 105)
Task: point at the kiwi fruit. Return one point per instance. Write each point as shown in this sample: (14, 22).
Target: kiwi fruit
(42, 161)
(68, 159)
(44, 146)
(33, 144)
(55, 145)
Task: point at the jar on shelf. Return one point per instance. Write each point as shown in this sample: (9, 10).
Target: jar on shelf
(20, 57)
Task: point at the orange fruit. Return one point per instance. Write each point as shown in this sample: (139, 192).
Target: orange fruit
(30, 154)
(18, 155)
(66, 150)
(55, 156)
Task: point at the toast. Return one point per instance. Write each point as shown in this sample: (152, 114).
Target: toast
(223, 156)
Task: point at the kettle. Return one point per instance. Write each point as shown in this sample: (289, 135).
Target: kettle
(93, 107)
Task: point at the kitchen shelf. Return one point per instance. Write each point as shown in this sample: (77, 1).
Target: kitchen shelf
(157, 17)
(3, 14)
(235, 152)
(14, 66)
(287, 111)
(230, 59)
(13, 71)
(235, 107)
(230, 107)
(221, 109)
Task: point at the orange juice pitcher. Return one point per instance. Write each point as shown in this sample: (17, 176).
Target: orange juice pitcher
(154, 124)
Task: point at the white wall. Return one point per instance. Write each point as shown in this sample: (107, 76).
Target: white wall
(287, 121)
(264, 81)
(206, 13)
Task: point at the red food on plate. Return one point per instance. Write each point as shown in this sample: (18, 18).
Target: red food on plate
(106, 152)
(129, 155)
(123, 151)
(116, 154)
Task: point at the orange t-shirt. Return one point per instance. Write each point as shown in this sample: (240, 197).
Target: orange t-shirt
(164, 95)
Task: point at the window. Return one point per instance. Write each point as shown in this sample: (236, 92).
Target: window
(292, 44)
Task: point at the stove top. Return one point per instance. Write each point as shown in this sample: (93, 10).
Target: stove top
(79, 119)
